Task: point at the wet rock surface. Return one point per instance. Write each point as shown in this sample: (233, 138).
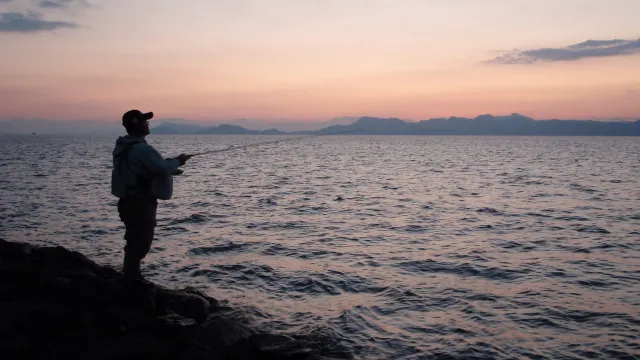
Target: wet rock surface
(58, 304)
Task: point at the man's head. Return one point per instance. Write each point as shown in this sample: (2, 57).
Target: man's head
(137, 122)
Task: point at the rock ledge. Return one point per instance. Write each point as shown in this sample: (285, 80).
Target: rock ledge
(58, 304)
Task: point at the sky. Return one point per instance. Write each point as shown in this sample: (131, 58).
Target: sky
(312, 60)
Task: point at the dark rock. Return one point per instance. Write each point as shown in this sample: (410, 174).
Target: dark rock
(58, 260)
(136, 346)
(280, 347)
(58, 304)
(188, 304)
(219, 333)
(44, 330)
(170, 324)
(260, 341)
(26, 249)
(213, 303)
(241, 350)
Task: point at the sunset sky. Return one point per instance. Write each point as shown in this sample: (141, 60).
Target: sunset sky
(317, 59)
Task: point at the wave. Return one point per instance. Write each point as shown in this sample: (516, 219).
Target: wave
(464, 269)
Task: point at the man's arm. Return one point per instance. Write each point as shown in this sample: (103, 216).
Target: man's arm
(156, 164)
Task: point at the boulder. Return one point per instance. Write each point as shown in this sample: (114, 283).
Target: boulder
(58, 304)
(280, 347)
(188, 304)
(318, 357)
(218, 333)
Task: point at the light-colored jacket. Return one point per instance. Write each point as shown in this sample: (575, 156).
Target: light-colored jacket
(135, 161)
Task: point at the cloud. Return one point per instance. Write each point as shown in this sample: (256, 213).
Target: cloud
(61, 4)
(54, 4)
(30, 22)
(5, 1)
(598, 43)
(587, 49)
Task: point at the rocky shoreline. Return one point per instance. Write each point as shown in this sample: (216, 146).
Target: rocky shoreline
(58, 304)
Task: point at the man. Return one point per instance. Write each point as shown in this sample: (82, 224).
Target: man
(140, 177)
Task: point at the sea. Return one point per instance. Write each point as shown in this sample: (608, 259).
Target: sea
(372, 247)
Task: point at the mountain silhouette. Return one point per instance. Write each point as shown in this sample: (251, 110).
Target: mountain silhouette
(223, 129)
(514, 124)
(173, 128)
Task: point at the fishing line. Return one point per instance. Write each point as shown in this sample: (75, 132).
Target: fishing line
(271, 142)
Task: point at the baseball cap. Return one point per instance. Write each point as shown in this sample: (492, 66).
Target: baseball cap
(133, 117)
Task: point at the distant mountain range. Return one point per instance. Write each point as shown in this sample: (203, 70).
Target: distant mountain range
(514, 124)
(224, 129)
(179, 125)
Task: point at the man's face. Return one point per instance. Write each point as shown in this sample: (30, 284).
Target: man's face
(145, 127)
(140, 129)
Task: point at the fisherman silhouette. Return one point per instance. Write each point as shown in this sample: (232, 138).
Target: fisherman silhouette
(139, 178)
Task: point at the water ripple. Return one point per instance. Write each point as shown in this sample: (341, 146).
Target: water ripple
(433, 248)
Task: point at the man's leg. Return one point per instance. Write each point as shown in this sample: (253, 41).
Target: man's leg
(131, 266)
(139, 217)
(128, 210)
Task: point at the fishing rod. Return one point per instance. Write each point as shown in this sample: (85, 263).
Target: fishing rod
(271, 142)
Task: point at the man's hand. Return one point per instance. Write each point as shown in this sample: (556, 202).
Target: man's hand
(183, 158)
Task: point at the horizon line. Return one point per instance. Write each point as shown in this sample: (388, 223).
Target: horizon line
(605, 119)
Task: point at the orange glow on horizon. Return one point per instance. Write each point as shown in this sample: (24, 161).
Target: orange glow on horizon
(311, 61)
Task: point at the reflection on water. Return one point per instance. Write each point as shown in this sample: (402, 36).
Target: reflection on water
(382, 247)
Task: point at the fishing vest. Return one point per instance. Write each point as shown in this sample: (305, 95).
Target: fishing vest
(143, 183)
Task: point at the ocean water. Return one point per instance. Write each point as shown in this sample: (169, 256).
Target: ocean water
(375, 247)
